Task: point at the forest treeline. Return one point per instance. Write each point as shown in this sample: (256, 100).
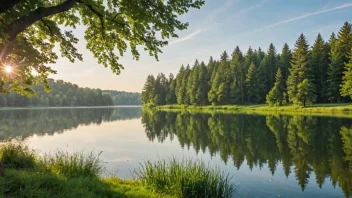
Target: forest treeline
(305, 75)
(64, 94)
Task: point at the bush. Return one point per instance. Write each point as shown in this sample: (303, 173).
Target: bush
(186, 178)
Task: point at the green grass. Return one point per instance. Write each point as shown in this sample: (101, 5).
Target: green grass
(27, 174)
(318, 109)
(186, 178)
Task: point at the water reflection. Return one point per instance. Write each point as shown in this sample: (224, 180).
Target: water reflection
(302, 144)
(27, 122)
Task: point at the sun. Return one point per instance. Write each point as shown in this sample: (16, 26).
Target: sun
(8, 69)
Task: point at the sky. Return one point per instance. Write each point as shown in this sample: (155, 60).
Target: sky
(219, 25)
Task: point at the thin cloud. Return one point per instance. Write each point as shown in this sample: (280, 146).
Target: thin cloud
(343, 6)
(254, 6)
(188, 37)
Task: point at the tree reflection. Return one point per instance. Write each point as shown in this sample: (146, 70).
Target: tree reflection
(304, 144)
(27, 122)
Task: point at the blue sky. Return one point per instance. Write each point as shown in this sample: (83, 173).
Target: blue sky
(219, 25)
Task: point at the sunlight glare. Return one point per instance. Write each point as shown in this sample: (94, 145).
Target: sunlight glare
(8, 69)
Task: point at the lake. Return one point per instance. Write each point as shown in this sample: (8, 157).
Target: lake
(268, 155)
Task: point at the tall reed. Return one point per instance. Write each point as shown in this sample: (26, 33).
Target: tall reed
(185, 178)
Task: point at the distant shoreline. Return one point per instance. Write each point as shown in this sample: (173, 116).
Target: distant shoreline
(81, 107)
(330, 109)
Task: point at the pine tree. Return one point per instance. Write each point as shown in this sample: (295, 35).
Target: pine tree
(194, 84)
(285, 61)
(237, 79)
(300, 88)
(344, 38)
(335, 71)
(218, 94)
(171, 90)
(319, 63)
(185, 85)
(261, 82)
(276, 95)
(271, 64)
(202, 90)
(346, 86)
(250, 83)
(178, 91)
(148, 92)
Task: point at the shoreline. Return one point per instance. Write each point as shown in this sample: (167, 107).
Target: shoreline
(342, 109)
(78, 107)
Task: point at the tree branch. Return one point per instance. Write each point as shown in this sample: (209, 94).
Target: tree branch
(19, 25)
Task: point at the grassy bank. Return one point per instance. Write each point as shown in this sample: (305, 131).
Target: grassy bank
(342, 108)
(24, 173)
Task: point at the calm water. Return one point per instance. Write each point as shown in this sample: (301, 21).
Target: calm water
(269, 156)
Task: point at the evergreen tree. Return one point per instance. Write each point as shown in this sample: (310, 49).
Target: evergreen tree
(238, 77)
(178, 90)
(250, 83)
(202, 90)
(344, 38)
(300, 88)
(171, 90)
(261, 81)
(320, 64)
(276, 95)
(271, 65)
(193, 84)
(346, 86)
(335, 71)
(148, 92)
(219, 91)
(285, 61)
(184, 85)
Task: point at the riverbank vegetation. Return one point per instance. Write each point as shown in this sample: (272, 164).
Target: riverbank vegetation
(302, 76)
(335, 108)
(24, 173)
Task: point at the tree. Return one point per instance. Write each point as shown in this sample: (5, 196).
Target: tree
(335, 71)
(237, 77)
(320, 64)
(219, 91)
(250, 83)
(31, 29)
(300, 88)
(148, 92)
(171, 96)
(271, 65)
(344, 38)
(178, 90)
(346, 86)
(285, 61)
(276, 95)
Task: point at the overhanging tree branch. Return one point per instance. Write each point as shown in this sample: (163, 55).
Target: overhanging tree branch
(19, 25)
